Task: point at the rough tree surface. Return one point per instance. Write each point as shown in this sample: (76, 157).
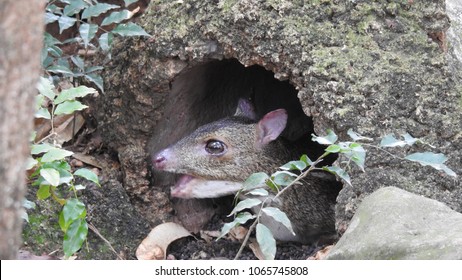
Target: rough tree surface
(377, 68)
(19, 69)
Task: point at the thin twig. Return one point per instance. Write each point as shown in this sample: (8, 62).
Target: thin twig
(95, 230)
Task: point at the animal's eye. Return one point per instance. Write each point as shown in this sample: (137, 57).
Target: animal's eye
(215, 147)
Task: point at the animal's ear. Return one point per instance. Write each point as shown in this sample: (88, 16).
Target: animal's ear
(270, 127)
(245, 109)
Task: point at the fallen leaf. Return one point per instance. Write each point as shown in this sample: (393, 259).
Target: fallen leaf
(154, 246)
(321, 254)
(87, 159)
(238, 232)
(256, 249)
(67, 130)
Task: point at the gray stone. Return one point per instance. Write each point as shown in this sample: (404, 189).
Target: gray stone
(394, 224)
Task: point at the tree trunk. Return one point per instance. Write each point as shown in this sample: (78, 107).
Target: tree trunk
(21, 33)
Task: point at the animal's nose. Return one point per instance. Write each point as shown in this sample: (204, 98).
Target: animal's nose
(159, 160)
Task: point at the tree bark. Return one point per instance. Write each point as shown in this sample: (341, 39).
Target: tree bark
(21, 33)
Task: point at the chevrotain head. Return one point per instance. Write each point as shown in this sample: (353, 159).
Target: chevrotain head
(217, 157)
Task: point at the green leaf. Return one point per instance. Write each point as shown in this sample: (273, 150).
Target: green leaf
(78, 61)
(31, 163)
(306, 160)
(60, 69)
(96, 10)
(339, 172)
(431, 159)
(87, 32)
(93, 69)
(73, 93)
(43, 192)
(42, 113)
(73, 210)
(69, 107)
(55, 154)
(46, 88)
(294, 165)
(333, 148)
(329, 139)
(266, 241)
(283, 178)
(50, 17)
(87, 174)
(130, 29)
(259, 192)
(64, 171)
(279, 216)
(240, 219)
(49, 40)
(65, 22)
(75, 236)
(390, 141)
(50, 175)
(79, 187)
(74, 7)
(357, 137)
(272, 185)
(28, 204)
(40, 148)
(255, 180)
(105, 41)
(116, 17)
(96, 79)
(410, 140)
(55, 51)
(246, 203)
(357, 154)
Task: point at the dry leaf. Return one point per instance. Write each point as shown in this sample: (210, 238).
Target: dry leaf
(238, 233)
(89, 160)
(69, 128)
(256, 249)
(321, 254)
(154, 246)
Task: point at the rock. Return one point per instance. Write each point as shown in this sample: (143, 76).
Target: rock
(394, 224)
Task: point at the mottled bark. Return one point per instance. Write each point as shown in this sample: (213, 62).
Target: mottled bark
(21, 33)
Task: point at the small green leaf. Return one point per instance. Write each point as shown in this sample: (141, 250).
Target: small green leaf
(87, 32)
(79, 187)
(65, 22)
(283, 178)
(259, 192)
(410, 140)
(49, 40)
(78, 61)
(116, 17)
(306, 160)
(130, 29)
(31, 163)
(272, 185)
(75, 236)
(73, 210)
(329, 139)
(74, 7)
(46, 88)
(50, 175)
(294, 165)
(339, 172)
(357, 137)
(64, 170)
(431, 159)
(266, 241)
(73, 93)
(60, 69)
(390, 141)
(40, 148)
(240, 219)
(96, 79)
(93, 69)
(42, 113)
(255, 180)
(96, 10)
(55, 154)
(43, 192)
(333, 148)
(69, 107)
(87, 174)
(279, 216)
(50, 17)
(357, 154)
(28, 204)
(105, 41)
(246, 203)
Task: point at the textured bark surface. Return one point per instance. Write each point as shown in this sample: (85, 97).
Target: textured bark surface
(377, 68)
(20, 47)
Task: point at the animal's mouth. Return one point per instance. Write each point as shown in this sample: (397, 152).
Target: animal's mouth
(189, 186)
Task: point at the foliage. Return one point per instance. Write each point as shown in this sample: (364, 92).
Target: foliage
(95, 26)
(255, 195)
